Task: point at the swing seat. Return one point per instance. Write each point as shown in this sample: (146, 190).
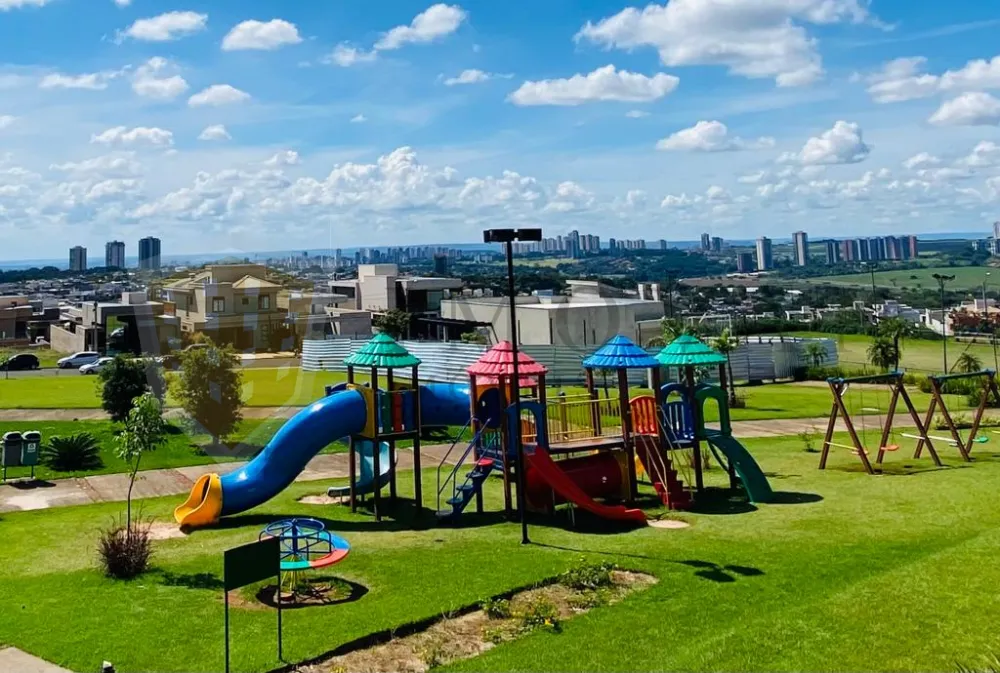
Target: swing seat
(981, 439)
(891, 447)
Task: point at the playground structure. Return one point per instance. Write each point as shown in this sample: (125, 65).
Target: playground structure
(839, 388)
(593, 456)
(304, 545)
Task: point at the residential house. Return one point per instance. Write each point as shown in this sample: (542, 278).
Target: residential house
(15, 314)
(133, 325)
(317, 315)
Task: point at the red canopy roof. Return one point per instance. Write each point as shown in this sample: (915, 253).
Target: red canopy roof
(499, 361)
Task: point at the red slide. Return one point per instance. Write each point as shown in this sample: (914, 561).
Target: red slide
(540, 461)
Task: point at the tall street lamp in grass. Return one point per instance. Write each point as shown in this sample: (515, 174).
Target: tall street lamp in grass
(942, 279)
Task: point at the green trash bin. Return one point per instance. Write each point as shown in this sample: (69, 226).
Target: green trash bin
(12, 442)
(31, 447)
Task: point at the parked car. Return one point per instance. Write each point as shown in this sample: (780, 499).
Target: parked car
(173, 360)
(95, 367)
(77, 360)
(20, 362)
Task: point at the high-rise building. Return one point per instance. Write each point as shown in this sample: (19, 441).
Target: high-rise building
(996, 230)
(832, 252)
(78, 258)
(765, 257)
(706, 242)
(892, 248)
(441, 264)
(744, 262)
(149, 253)
(912, 246)
(847, 247)
(801, 241)
(716, 244)
(663, 244)
(114, 255)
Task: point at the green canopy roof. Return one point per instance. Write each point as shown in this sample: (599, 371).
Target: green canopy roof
(689, 351)
(383, 352)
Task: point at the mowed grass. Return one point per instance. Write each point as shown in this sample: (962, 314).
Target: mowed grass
(966, 278)
(919, 355)
(844, 572)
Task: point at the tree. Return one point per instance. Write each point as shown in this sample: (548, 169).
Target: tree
(726, 344)
(816, 353)
(395, 323)
(144, 431)
(967, 363)
(897, 330)
(882, 353)
(124, 379)
(473, 338)
(210, 388)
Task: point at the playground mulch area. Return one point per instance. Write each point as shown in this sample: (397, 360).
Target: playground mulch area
(844, 571)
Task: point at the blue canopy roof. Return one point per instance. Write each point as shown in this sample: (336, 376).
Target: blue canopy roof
(620, 353)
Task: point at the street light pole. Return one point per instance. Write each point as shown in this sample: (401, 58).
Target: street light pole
(986, 311)
(942, 279)
(507, 237)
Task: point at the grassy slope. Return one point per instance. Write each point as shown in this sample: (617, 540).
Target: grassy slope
(919, 355)
(966, 278)
(854, 579)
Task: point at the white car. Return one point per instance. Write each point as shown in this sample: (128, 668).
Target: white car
(77, 360)
(95, 367)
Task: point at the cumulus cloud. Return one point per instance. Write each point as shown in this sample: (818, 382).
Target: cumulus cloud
(140, 135)
(6, 5)
(285, 158)
(218, 94)
(435, 22)
(985, 153)
(970, 109)
(359, 119)
(94, 81)
(603, 84)
(710, 136)
(472, 76)
(904, 79)
(345, 56)
(842, 144)
(151, 80)
(752, 39)
(123, 3)
(921, 160)
(215, 132)
(167, 27)
(261, 35)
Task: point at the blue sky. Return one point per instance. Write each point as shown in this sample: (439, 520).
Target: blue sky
(261, 125)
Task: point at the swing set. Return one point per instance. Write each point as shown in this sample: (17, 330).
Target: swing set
(964, 445)
(894, 380)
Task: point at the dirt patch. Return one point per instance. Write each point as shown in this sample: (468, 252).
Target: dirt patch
(453, 638)
(670, 524)
(161, 530)
(321, 500)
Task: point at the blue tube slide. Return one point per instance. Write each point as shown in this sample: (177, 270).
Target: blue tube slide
(339, 415)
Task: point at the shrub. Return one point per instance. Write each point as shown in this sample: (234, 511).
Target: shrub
(592, 599)
(540, 613)
(496, 608)
(974, 397)
(76, 452)
(808, 438)
(124, 379)
(125, 551)
(588, 576)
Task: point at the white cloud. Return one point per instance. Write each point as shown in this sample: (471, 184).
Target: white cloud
(167, 27)
(710, 136)
(436, 21)
(140, 135)
(108, 165)
(359, 119)
(6, 5)
(603, 84)
(218, 94)
(285, 158)
(969, 109)
(93, 81)
(986, 153)
(6, 120)
(751, 178)
(471, 76)
(345, 56)
(261, 35)
(150, 80)
(903, 79)
(921, 160)
(215, 132)
(636, 114)
(752, 39)
(842, 144)
(123, 3)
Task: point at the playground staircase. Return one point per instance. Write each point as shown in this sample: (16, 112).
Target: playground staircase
(663, 475)
(647, 421)
(462, 494)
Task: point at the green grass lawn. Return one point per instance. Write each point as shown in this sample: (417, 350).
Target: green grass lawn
(966, 278)
(919, 355)
(845, 572)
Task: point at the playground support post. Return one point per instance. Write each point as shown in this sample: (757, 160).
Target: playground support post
(837, 388)
(352, 458)
(899, 392)
(418, 487)
(627, 435)
(699, 478)
(724, 383)
(376, 450)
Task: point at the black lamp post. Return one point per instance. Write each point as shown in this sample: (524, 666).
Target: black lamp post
(942, 279)
(507, 237)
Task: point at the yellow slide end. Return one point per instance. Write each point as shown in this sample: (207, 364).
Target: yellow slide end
(204, 505)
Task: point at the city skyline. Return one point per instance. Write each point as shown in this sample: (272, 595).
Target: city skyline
(266, 126)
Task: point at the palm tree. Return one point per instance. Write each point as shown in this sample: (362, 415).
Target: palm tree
(967, 363)
(816, 353)
(726, 344)
(897, 330)
(882, 353)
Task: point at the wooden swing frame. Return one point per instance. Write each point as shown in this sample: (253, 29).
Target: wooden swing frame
(937, 400)
(838, 386)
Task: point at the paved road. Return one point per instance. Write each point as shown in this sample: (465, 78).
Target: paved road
(261, 363)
